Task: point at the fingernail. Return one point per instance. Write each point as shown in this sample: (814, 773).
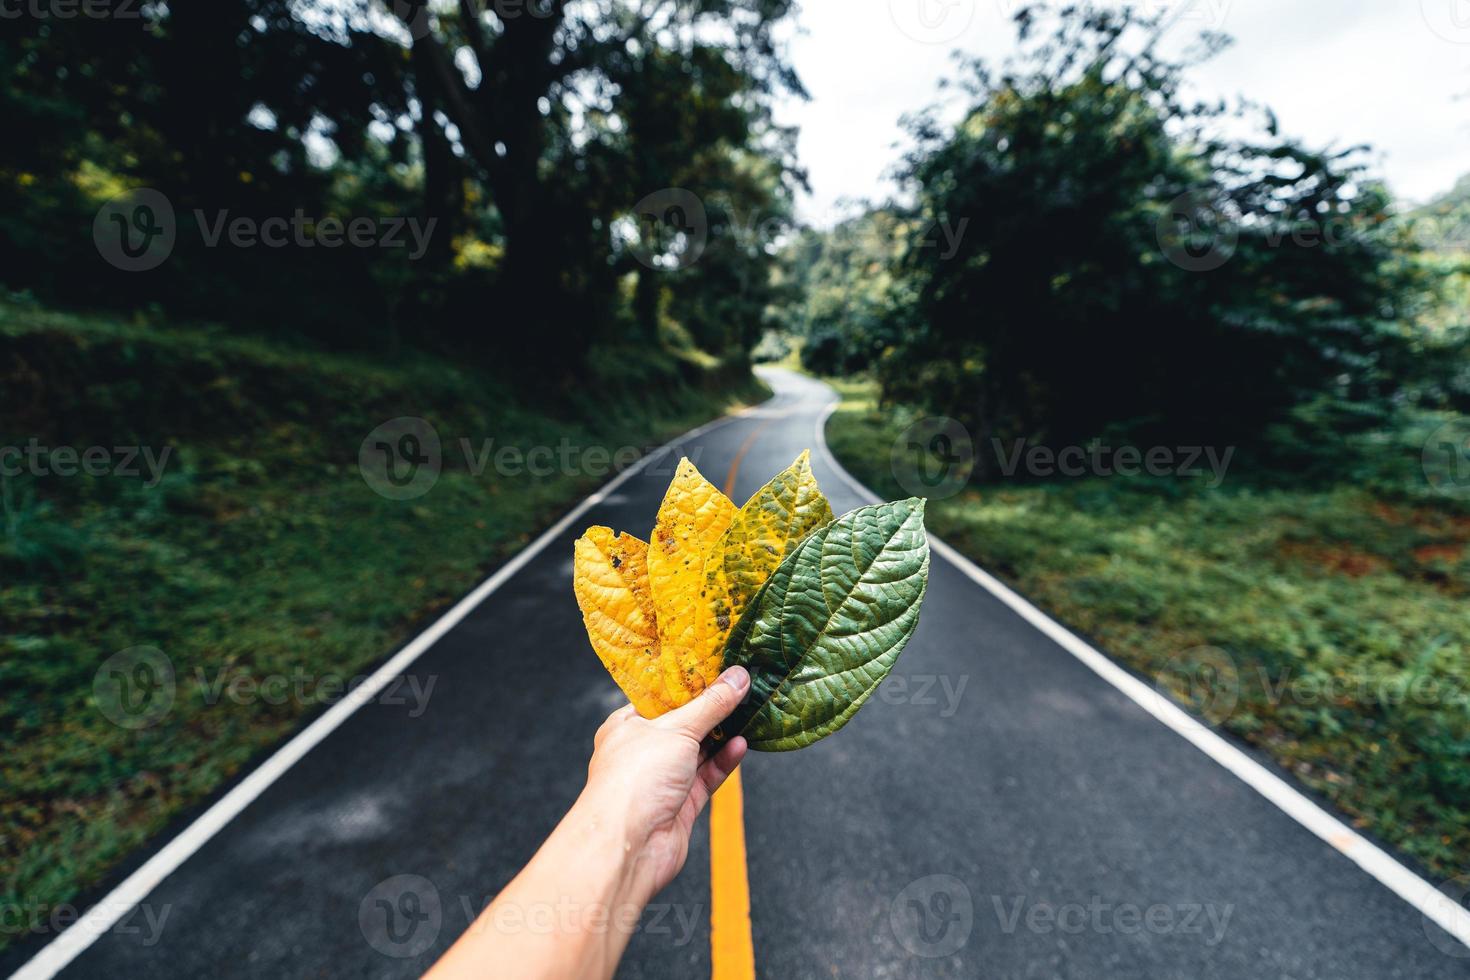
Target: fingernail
(737, 677)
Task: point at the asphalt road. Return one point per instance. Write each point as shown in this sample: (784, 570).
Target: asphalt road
(997, 811)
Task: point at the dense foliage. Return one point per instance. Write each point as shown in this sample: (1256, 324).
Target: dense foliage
(527, 133)
(847, 298)
(1086, 256)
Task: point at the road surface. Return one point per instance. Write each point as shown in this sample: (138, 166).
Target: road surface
(997, 811)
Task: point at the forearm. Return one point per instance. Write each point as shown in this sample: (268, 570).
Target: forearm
(569, 914)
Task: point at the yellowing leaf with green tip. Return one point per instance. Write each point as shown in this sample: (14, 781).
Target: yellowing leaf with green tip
(691, 521)
(768, 528)
(610, 578)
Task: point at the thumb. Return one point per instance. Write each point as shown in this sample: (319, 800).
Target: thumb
(714, 704)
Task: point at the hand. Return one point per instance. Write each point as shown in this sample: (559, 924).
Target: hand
(622, 842)
(652, 776)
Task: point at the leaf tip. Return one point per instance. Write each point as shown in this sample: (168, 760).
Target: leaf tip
(597, 532)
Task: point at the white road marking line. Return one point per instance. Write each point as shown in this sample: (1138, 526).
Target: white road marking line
(100, 918)
(1429, 901)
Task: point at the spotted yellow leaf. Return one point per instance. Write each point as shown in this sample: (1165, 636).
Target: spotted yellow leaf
(764, 531)
(692, 519)
(610, 578)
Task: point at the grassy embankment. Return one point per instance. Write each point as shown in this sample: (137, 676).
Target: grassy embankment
(1343, 614)
(261, 553)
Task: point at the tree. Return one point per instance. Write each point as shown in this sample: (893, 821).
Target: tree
(211, 104)
(1125, 271)
(849, 300)
(546, 96)
(527, 131)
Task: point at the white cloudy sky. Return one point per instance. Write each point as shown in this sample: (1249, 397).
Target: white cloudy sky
(1392, 73)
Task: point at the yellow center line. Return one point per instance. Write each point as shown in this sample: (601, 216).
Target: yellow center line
(732, 950)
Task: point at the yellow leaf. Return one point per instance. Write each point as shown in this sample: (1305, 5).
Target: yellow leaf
(693, 517)
(610, 578)
(768, 528)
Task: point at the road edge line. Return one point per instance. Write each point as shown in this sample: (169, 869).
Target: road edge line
(1383, 867)
(100, 918)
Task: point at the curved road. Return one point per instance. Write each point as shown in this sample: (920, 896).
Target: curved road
(997, 811)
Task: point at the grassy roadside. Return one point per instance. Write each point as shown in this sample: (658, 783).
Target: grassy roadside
(1329, 627)
(255, 554)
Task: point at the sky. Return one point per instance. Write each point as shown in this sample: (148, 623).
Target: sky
(1391, 73)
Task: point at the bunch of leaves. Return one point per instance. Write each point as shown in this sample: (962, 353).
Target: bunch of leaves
(816, 609)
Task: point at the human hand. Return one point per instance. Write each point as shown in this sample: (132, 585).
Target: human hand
(652, 777)
(625, 838)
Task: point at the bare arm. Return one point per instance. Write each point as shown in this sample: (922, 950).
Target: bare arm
(571, 911)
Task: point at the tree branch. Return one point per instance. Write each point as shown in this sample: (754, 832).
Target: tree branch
(431, 61)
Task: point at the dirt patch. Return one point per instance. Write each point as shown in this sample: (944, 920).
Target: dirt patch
(1431, 554)
(1337, 559)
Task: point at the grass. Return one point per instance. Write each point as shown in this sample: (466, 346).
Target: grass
(1329, 627)
(260, 553)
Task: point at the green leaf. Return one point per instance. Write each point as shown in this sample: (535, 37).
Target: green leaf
(828, 625)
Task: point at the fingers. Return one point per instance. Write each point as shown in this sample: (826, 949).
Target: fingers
(715, 770)
(697, 718)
